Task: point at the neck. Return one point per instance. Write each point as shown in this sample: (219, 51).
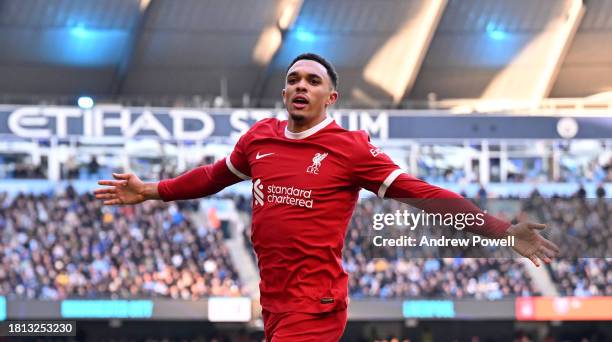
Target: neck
(302, 125)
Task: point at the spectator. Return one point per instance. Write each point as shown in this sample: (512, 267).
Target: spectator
(93, 167)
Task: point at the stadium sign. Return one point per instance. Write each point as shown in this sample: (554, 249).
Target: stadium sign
(564, 308)
(61, 122)
(239, 309)
(106, 309)
(428, 309)
(2, 308)
(164, 123)
(192, 124)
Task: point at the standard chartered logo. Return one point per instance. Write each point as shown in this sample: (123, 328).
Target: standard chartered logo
(289, 195)
(257, 192)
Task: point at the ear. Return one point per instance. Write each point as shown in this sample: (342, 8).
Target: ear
(283, 96)
(333, 97)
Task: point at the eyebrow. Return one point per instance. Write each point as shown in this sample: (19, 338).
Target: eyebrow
(295, 73)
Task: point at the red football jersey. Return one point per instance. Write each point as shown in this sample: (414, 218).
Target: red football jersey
(305, 187)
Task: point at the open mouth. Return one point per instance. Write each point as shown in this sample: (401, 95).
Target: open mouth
(300, 102)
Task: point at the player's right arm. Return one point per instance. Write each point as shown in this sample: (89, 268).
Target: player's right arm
(202, 181)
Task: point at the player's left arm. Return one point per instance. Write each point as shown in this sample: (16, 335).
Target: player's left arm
(375, 171)
(528, 242)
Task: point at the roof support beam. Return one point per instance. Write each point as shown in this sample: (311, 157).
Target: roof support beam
(566, 34)
(270, 43)
(395, 66)
(123, 67)
(532, 72)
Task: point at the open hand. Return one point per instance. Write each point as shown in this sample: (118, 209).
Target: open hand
(530, 244)
(127, 188)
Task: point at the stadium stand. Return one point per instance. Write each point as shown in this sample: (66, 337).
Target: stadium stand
(583, 277)
(389, 273)
(583, 231)
(68, 246)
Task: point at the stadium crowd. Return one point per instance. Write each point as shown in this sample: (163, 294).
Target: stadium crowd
(395, 273)
(581, 227)
(583, 230)
(68, 245)
(438, 278)
(583, 277)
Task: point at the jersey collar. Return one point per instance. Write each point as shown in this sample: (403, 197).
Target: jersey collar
(312, 130)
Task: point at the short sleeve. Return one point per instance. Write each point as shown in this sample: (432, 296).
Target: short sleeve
(372, 169)
(237, 162)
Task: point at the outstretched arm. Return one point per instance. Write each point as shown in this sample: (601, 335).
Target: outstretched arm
(202, 181)
(420, 194)
(528, 242)
(375, 171)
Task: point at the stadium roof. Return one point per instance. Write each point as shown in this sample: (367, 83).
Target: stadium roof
(386, 52)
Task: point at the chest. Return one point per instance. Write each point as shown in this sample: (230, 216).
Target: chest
(311, 165)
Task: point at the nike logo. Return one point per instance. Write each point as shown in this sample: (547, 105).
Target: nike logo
(259, 156)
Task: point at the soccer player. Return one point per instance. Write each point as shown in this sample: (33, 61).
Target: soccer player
(307, 172)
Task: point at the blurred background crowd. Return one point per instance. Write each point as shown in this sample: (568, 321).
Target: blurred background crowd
(65, 246)
(69, 245)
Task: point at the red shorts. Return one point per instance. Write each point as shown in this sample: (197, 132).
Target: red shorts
(302, 327)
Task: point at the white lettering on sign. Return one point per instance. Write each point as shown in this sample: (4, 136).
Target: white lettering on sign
(377, 125)
(239, 119)
(21, 123)
(178, 120)
(37, 122)
(166, 123)
(31, 122)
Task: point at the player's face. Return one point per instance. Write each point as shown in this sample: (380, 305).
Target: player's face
(308, 91)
